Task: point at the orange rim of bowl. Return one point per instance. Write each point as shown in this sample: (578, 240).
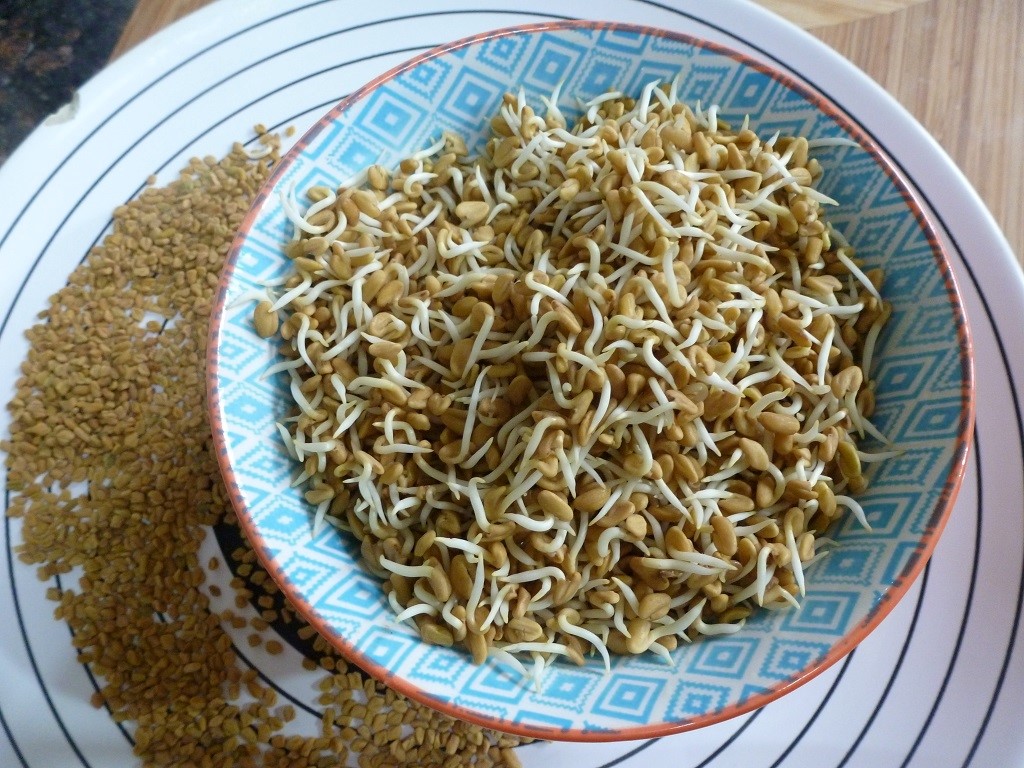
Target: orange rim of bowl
(900, 585)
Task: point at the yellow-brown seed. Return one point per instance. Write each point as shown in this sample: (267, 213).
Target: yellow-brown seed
(265, 319)
(555, 505)
(472, 213)
(779, 423)
(592, 500)
(754, 453)
(723, 535)
(849, 461)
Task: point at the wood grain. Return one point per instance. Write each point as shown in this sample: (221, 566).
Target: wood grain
(811, 14)
(956, 65)
(149, 17)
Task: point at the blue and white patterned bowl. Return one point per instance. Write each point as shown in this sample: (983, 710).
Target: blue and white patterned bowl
(923, 370)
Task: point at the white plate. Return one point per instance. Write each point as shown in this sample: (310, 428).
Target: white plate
(941, 682)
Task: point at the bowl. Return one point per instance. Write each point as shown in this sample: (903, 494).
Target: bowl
(923, 371)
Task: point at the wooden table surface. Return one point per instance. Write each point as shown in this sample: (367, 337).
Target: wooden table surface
(956, 65)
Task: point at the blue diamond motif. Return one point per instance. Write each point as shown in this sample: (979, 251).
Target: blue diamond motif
(357, 594)
(902, 377)
(935, 418)
(426, 79)
(848, 564)
(444, 666)
(552, 61)
(503, 53)
(602, 76)
(692, 699)
(236, 352)
(909, 466)
(750, 91)
(471, 99)
(822, 611)
(723, 657)
(387, 648)
(393, 116)
(494, 683)
(629, 697)
(304, 573)
(356, 153)
(257, 261)
(246, 407)
(787, 658)
(566, 686)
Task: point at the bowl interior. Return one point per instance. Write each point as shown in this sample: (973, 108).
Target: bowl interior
(922, 370)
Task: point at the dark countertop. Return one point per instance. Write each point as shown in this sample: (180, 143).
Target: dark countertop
(48, 48)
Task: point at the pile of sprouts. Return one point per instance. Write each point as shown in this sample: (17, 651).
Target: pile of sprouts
(596, 390)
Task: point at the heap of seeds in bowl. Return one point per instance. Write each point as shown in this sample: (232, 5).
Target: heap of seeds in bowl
(595, 390)
(112, 473)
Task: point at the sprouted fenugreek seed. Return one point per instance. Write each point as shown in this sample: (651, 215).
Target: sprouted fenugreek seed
(596, 389)
(112, 394)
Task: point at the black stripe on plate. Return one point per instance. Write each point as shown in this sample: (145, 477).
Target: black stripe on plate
(979, 505)
(892, 679)
(732, 737)
(1015, 626)
(633, 752)
(28, 648)
(821, 706)
(10, 738)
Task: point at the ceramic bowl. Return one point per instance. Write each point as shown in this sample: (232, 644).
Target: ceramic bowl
(923, 372)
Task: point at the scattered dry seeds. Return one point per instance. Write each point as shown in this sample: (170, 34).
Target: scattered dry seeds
(112, 394)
